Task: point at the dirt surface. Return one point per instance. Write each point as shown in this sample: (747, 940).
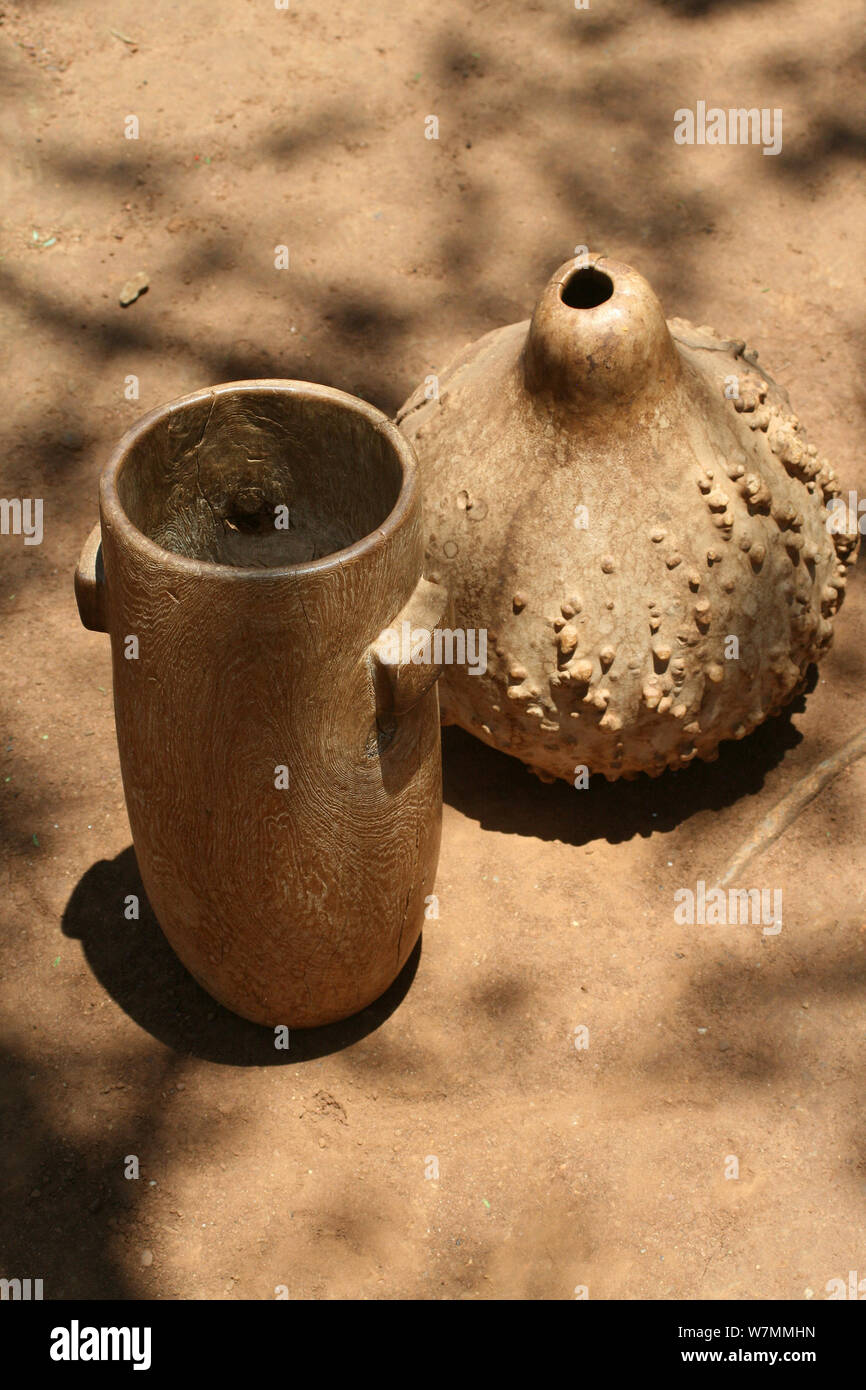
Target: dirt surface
(601, 1167)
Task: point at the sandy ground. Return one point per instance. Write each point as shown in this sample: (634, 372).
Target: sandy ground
(557, 1167)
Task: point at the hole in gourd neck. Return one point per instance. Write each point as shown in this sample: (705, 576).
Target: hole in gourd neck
(586, 288)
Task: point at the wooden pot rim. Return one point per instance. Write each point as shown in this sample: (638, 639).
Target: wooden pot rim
(113, 513)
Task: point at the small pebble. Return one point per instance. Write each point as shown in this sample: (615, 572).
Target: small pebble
(133, 288)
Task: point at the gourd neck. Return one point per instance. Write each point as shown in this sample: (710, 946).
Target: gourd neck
(598, 335)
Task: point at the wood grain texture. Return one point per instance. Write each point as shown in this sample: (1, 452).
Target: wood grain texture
(294, 905)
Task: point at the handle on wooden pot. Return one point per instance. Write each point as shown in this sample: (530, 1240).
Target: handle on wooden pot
(405, 653)
(90, 583)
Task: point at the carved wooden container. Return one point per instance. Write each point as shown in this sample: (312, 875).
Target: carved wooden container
(283, 783)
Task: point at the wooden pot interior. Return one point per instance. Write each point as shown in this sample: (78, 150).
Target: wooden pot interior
(259, 479)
